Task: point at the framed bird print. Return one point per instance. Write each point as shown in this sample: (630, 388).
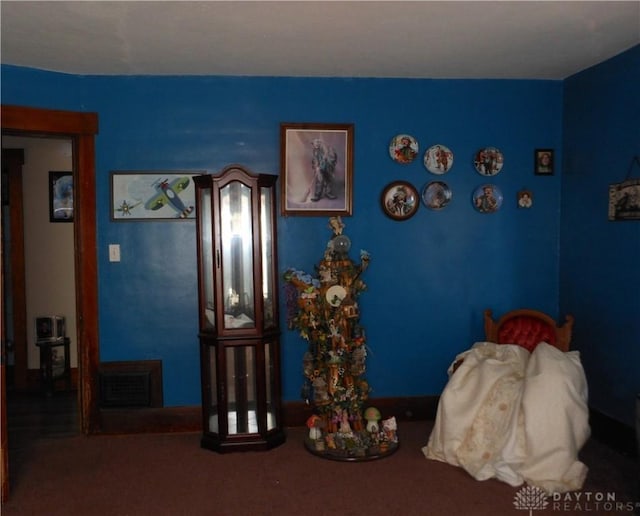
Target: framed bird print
(154, 195)
(316, 169)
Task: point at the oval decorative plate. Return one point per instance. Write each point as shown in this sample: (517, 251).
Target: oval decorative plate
(403, 148)
(487, 198)
(438, 159)
(488, 161)
(436, 195)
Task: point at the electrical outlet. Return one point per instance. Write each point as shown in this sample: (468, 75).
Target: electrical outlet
(114, 252)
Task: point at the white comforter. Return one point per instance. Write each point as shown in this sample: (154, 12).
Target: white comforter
(515, 416)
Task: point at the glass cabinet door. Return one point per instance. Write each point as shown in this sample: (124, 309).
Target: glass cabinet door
(208, 320)
(214, 424)
(270, 388)
(266, 240)
(236, 230)
(241, 390)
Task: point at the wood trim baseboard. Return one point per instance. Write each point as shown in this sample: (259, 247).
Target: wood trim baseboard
(189, 419)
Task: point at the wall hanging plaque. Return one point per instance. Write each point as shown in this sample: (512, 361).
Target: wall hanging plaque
(487, 198)
(403, 148)
(488, 161)
(438, 159)
(436, 195)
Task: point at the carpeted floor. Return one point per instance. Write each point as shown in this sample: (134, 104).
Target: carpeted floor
(169, 474)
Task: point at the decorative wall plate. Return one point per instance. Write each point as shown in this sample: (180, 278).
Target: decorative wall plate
(400, 200)
(438, 159)
(488, 161)
(403, 148)
(436, 195)
(335, 294)
(487, 198)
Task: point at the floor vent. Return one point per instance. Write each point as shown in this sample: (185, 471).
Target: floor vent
(125, 389)
(131, 384)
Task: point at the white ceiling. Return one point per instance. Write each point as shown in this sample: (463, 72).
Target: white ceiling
(416, 39)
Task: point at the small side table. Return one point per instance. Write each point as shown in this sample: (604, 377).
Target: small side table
(55, 364)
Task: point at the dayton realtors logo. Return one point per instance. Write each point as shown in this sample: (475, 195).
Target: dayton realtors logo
(531, 498)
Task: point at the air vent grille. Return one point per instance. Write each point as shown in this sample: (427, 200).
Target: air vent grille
(125, 389)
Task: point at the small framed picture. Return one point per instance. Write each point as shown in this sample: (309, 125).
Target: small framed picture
(316, 169)
(60, 196)
(400, 200)
(525, 199)
(543, 162)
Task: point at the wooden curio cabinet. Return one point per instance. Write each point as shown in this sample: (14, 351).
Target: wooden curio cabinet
(238, 311)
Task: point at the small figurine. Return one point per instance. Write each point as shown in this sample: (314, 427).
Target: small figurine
(390, 427)
(336, 224)
(372, 415)
(358, 358)
(345, 428)
(313, 424)
(320, 389)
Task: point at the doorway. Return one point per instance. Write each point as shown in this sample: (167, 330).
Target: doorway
(38, 264)
(81, 128)
(39, 279)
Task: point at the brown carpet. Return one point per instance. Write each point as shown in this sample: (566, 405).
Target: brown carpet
(169, 474)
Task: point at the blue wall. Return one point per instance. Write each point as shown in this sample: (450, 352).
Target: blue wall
(430, 276)
(600, 260)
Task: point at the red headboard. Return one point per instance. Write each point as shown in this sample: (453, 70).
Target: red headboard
(528, 328)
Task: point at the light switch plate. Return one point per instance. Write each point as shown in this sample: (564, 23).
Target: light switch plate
(114, 252)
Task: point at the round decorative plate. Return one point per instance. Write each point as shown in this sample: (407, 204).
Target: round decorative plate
(335, 294)
(403, 148)
(438, 159)
(488, 161)
(487, 198)
(400, 200)
(436, 195)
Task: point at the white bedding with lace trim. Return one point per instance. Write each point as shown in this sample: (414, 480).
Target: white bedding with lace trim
(515, 416)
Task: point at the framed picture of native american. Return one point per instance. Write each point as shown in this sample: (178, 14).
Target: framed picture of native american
(316, 169)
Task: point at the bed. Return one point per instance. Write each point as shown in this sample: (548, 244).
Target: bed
(515, 406)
